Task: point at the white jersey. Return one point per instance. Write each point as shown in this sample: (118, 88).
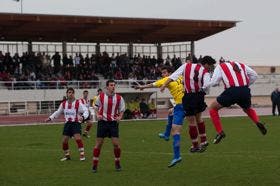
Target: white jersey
(233, 74)
(110, 106)
(86, 102)
(71, 111)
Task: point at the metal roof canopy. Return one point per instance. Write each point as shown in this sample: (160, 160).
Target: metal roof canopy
(68, 28)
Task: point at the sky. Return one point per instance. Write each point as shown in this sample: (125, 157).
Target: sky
(254, 41)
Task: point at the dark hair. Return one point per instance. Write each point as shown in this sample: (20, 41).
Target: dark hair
(207, 60)
(85, 91)
(99, 90)
(168, 68)
(70, 89)
(109, 81)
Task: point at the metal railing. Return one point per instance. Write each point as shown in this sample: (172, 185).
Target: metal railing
(24, 85)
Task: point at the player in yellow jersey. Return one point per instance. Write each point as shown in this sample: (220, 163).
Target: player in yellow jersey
(175, 122)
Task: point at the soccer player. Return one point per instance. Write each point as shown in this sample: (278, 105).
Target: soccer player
(176, 120)
(236, 78)
(193, 100)
(86, 102)
(109, 108)
(72, 108)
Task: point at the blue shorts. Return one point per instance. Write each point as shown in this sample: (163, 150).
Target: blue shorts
(178, 114)
(235, 95)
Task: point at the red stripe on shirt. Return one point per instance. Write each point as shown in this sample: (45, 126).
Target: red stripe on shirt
(238, 74)
(187, 77)
(228, 74)
(196, 85)
(102, 104)
(109, 108)
(244, 70)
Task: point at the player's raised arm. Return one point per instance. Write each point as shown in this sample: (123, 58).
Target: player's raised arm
(55, 114)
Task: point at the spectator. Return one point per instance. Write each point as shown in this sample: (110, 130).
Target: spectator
(144, 108)
(275, 99)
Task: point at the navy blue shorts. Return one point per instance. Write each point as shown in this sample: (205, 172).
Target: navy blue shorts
(235, 95)
(178, 115)
(71, 128)
(107, 129)
(194, 103)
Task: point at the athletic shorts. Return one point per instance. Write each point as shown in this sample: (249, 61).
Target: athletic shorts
(194, 103)
(107, 129)
(235, 95)
(71, 128)
(178, 114)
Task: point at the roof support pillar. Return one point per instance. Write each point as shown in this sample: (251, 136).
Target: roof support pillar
(192, 49)
(29, 47)
(130, 50)
(64, 48)
(97, 49)
(159, 51)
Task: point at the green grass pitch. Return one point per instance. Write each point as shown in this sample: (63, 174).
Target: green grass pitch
(29, 155)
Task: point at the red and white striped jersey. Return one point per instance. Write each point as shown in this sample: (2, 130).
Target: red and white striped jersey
(233, 74)
(86, 102)
(195, 75)
(71, 111)
(110, 106)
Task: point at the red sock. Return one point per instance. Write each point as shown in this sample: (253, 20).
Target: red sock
(193, 134)
(80, 143)
(202, 132)
(117, 152)
(87, 128)
(65, 146)
(252, 114)
(96, 153)
(216, 120)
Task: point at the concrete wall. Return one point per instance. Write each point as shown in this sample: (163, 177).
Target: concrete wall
(261, 94)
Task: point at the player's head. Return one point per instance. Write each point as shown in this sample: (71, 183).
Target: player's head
(70, 93)
(110, 85)
(166, 71)
(85, 94)
(207, 62)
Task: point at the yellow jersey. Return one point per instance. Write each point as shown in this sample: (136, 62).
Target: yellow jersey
(94, 100)
(175, 88)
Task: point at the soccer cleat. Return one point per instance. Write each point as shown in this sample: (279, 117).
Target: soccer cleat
(65, 158)
(82, 157)
(219, 137)
(118, 167)
(94, 169)
(262, 128)
(198, 149)
(161, 135)
(204, 144)
(174, 162)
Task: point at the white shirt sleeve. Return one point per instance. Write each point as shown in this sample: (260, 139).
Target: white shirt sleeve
(83, 110)
(122, 105)
(217, 76)
(179, 72)
(251, 74)
(206, 82)
(57, 113)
